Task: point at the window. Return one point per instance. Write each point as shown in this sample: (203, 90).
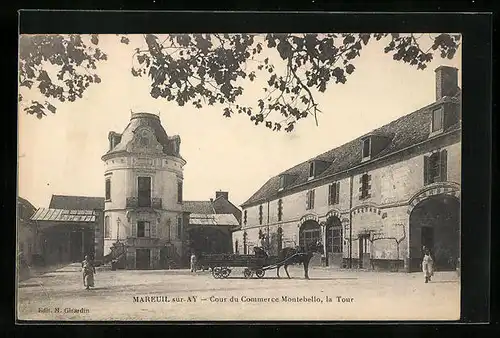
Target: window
(179, 227)
(435, 167)
(236, 247)
(245, 217)
(311, 169)
(260, 214)
(334, 239)
(282, 182)
(144, 141)
(437, 119)
(333, 193)
(179, 192)
(108, 189)
(365, 186)
(310, 199)
(143, 229)
(107, 227)
(366, 148)
(144, 191)
(280, 210)
(309, 234)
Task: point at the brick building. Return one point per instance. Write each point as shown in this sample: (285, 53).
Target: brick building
(211, 224)
(373, 202)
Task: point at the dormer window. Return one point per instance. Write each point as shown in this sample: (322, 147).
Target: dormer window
(311, 170)
(286, 180)
(437, 119)
(366, 149)
(317, 167)
(282, 182)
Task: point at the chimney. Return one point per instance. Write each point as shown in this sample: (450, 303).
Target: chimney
(223, 194)
(446, 81)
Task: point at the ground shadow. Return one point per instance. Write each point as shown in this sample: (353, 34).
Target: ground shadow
(27, 285)
(295, 278)
(445, 281)
(43, 276)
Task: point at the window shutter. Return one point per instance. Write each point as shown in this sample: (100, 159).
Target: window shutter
(307, 200)
(330, 187)
(134, 229)
(444, 169)
(153, 230)
(337, 193)
(426, 169)
(312, 199)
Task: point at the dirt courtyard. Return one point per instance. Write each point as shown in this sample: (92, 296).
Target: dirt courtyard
(172, 295)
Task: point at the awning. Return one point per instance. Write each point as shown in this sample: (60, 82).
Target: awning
(213, 219)
(63, 215)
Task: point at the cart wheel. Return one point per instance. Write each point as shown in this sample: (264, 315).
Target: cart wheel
(247, 273)
(217, 272)
(260, 273)
(225, 272)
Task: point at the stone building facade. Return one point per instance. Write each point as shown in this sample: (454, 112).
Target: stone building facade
(143, 181)
(376, 201)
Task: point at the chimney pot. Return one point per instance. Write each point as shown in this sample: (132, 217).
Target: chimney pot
(446, 81)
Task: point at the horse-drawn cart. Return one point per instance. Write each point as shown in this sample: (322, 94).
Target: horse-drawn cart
(221, 264)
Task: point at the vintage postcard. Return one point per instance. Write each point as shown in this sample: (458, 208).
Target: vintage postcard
(231, 177)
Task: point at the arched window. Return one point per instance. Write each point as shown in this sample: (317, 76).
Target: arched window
(310, 233)
(107, 227)
(334, 238)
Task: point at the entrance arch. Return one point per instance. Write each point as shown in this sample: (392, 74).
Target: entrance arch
(435, 224)
(309, 233)
(334, 241)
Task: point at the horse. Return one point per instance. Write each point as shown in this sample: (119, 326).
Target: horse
(300, 257)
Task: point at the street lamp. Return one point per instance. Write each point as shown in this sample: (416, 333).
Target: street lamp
(118, 221)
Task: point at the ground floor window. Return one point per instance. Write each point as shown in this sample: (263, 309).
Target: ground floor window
(334, 239)
(143, 229)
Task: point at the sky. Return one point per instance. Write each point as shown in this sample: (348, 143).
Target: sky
(61, 153)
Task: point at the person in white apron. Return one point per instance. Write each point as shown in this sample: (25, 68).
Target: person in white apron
(427, 265)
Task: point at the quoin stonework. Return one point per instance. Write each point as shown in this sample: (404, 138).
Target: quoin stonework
(143, 179)
(373, 202)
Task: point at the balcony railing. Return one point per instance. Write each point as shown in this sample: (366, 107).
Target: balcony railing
(135, 202)
(142, 241)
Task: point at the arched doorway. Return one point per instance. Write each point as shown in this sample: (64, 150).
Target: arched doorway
(309, 233)
(334, 241)
(435, 224)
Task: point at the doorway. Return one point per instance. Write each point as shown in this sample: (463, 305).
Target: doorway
(334, 241)
(364, 251)
(435, 224)
(142, 259)
(164, 258)
(427, 238)
(76, 246)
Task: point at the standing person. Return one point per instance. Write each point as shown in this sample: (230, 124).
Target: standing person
(193, 262)
(88, 271)
(427, 265)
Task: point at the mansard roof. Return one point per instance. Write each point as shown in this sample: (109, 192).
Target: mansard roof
(407, 131)
(152, 121)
